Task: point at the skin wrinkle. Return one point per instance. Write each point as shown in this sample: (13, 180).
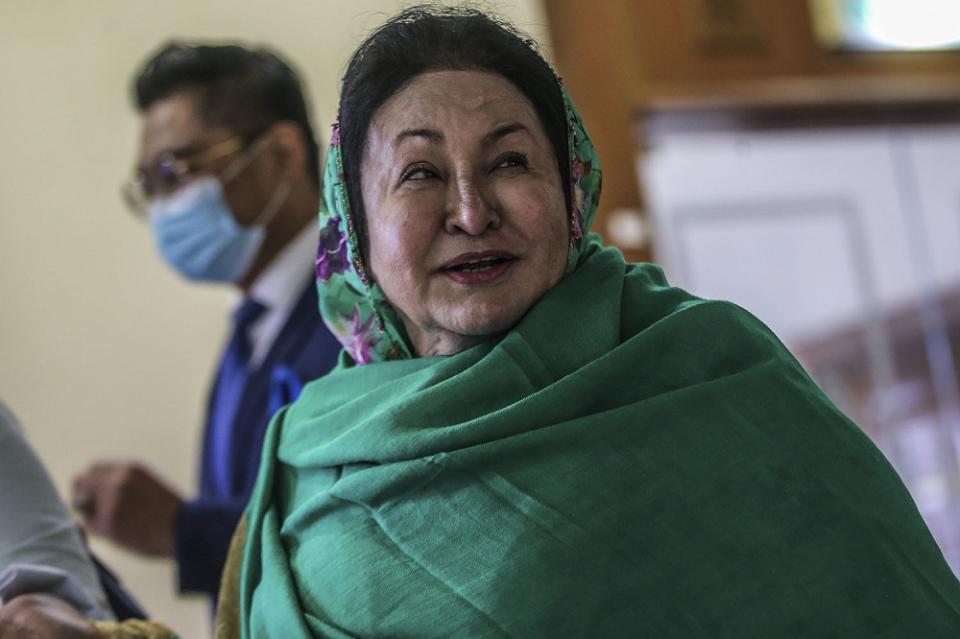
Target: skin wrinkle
(459, 162)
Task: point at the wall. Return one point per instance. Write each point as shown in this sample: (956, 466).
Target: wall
(103, 351)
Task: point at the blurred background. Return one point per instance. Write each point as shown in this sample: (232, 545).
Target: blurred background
(799, 157)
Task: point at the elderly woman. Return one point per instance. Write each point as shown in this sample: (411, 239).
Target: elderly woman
(527, 437)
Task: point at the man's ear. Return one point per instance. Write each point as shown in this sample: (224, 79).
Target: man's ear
(288, 151)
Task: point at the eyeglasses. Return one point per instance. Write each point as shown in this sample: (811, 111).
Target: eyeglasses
(172, 169)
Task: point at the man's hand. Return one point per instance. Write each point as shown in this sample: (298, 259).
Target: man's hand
(39, 616)
(128, 505)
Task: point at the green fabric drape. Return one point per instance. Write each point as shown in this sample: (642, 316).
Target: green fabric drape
(628, 461)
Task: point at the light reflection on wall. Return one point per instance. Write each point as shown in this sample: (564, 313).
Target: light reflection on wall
(882, 25)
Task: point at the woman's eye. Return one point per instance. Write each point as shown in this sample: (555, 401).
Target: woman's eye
(416, 173)
(511, 160)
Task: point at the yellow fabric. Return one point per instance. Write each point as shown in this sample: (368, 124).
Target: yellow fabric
(227, 625)
(133, 629)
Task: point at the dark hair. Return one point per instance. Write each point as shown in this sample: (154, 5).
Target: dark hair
(437, 38)
(246, 90)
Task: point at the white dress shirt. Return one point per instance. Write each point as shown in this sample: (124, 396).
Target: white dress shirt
(279, 288)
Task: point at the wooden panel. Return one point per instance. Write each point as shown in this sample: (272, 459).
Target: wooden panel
(690, 41)
(588, 49)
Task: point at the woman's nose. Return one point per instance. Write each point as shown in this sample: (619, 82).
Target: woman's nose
(471, 210)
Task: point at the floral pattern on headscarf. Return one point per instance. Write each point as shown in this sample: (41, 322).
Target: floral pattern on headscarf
(332, 255)
(355, 308)
(585, 180)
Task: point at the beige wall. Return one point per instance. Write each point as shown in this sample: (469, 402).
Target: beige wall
(103, 351)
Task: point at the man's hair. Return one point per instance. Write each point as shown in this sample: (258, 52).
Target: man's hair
(245, 90)
(436, 38)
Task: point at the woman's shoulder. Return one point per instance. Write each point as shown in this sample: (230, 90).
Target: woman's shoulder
(650, 300)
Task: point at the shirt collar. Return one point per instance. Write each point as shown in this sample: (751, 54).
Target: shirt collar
(279, 286)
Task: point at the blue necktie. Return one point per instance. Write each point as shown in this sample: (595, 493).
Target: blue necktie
(230, 385)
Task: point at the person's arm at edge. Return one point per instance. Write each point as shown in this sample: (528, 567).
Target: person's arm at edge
(202, 534)
(42, 615)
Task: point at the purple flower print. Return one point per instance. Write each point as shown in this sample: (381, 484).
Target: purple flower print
(577, 171)
(332, 252)
(361, 338)
(335, 135)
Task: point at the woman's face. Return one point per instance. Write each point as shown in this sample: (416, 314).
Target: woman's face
(464, 208)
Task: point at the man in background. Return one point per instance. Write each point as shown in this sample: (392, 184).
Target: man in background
(228, 175)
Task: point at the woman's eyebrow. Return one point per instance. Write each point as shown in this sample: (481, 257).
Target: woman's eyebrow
(436, 137)
(431, 135)
(503, 131)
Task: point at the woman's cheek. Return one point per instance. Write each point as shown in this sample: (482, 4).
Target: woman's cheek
(537, 202)
(401, 249)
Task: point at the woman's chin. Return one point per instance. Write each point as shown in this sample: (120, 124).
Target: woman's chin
(457, 333)
(478, 326)
(491, 315)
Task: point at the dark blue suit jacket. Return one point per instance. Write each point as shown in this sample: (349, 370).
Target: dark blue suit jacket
(303, 351)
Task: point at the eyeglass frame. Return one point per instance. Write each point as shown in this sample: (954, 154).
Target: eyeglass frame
(136, 192)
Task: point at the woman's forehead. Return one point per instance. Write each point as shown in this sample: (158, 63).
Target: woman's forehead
(444, 105)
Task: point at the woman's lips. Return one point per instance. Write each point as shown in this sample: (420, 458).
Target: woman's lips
(479, 268)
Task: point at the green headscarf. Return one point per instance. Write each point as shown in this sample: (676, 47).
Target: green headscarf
(627, 461)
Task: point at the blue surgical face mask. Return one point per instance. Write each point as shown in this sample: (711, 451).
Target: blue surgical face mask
(198, 236)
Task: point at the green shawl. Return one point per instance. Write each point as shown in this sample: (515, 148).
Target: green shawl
(628, 461)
